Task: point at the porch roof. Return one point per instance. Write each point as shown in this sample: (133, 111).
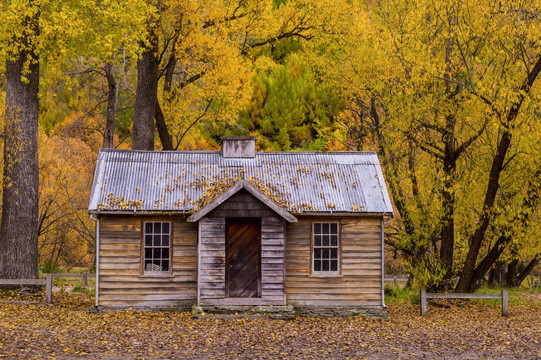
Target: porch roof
(242, 184)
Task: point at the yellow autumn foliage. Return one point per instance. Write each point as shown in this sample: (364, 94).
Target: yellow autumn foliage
(66, 233)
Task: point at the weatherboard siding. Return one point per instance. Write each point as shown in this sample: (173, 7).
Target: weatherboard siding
(359, 281)
(121, 281)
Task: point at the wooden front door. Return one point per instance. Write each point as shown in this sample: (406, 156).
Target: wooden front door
(243, 257)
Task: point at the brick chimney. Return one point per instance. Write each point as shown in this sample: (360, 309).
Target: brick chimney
(238, 146)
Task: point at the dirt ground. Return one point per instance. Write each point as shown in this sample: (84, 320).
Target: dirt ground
(466, 330)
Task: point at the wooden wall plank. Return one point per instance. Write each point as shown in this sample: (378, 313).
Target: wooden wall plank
(359, 282)
(121, 280)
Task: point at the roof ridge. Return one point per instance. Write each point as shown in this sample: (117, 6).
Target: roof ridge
(257, 152)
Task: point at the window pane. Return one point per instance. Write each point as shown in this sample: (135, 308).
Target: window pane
(334, 253)
(317, 240)
(148, 240)
(317, 253)
(325, 227)
(317, 265)
(326, 240)
(334, 228)
(317, 228)
(325, 265)
(325, 254)
(157, 246)
(334, 240)
(334, 265)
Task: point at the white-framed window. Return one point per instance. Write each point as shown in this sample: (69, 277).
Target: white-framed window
(326, 247)
(157, 246)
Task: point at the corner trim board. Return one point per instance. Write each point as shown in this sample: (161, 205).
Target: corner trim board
(382, 264)
(199, 263)
(97, 261)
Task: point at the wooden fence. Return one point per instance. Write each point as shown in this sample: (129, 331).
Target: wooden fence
(503, 296)
(396, 279)
(48, 282)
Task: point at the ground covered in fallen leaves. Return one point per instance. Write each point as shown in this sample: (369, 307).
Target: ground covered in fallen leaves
(465, 330)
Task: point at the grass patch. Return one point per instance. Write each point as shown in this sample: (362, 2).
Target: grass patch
(517, 296)
(397, 295)
(84, 289)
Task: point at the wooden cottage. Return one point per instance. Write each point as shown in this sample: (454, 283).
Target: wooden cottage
(236, 229)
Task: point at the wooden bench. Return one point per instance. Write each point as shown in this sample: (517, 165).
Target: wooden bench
(503, 296)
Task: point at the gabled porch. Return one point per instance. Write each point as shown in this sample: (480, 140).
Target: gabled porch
(241, 249)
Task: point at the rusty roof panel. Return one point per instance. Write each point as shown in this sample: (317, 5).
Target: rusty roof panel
(302, 182)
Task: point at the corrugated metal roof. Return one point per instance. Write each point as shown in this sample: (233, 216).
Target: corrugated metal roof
(302, 182)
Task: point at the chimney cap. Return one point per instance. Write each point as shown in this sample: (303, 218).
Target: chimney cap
(238, 146)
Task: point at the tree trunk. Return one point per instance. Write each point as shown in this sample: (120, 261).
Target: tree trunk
(170, 71)
(19, 227)
(527, 270)
(145, 97)
(165, 137)
(521, 222)
(499, 271)
(511, 271)
(163, 132)
(112, 100)
(492, 256)
(465, 282)
(491, 276)
(448, 205)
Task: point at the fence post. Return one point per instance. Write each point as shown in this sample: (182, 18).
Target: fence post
(85, 278)
(423, 302)
(48, 289)
(395, 282)
(505, 312)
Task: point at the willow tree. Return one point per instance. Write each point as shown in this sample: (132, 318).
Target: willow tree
(446, 91)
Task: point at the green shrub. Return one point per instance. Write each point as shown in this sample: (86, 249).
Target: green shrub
(49, 268)
(84, 289)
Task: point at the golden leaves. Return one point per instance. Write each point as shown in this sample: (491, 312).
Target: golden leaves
(466, 329)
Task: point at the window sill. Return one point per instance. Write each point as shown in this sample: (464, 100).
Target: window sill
(326, 275)
(156, 276)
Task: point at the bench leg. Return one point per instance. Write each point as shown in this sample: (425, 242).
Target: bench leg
(423, 302)
(505, 304)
